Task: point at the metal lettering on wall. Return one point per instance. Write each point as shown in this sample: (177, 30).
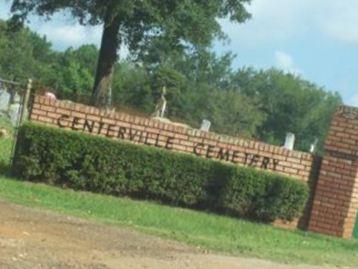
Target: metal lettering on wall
(199, 149)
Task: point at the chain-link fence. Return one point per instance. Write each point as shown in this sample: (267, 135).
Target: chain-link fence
(10, 101)
(14, 99)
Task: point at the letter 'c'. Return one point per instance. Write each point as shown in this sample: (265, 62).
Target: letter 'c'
(198, 148)
(61, 119)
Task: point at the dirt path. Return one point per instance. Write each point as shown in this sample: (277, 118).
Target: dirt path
(37, 239)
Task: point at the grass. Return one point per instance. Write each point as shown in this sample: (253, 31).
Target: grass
(217, 233)
(209, 231)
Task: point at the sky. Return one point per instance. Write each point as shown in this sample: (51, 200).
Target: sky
(315, 39)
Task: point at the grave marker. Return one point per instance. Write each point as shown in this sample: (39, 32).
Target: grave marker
(4, 100)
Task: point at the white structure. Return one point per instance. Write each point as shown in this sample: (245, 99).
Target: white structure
(313, 146)
(14, 113)
(161, 107)
(205, 126)
(290, 141)
(4, 100)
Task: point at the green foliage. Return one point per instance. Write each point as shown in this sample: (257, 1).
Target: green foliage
(21, 50)
(260, 104)
(76, 69)
(101, 165)
(5, 145)
(198, 87)
(195, 22)
(250, 193)
(207, 231)
(184, 24)
(132, 87)
(290, 104)
(24, 54)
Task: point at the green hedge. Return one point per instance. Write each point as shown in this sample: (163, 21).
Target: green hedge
(355, 231)
(84, 162)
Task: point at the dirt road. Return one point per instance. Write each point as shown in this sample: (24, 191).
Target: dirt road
(37, 239)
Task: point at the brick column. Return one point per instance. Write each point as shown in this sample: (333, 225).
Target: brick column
(336, 197)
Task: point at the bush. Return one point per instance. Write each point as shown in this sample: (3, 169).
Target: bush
(97, 164)
(5, 144)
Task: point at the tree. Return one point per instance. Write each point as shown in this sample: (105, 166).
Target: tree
(21, 50)
(76, 69)
(198, 87)
(291, 104)
(184, 23)
(263, 104)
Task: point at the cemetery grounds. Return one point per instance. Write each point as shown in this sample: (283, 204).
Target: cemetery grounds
(46, 227)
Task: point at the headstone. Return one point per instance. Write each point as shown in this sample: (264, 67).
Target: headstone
(161, 106)
(4, 100)
(313, 146)
(290, 141)
(205, 126)
(14, 113)
(17, 98)
(109, 98)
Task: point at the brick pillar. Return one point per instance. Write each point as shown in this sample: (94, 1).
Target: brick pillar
(336, 197)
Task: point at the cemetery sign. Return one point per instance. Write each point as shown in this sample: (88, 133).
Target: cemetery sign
(172, 136)
(144, 137)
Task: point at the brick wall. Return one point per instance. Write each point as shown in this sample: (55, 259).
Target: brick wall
(333, 202)
(336, 198)
(141, 130)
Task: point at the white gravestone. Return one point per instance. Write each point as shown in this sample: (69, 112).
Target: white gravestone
(17, 99)
(161, 106)
(15, 109)
(314, 146)
(205, 126)
(4, 100)
(290, 141)
(14, 113)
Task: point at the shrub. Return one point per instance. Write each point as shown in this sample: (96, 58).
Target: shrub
(5, 144)
(97, 164)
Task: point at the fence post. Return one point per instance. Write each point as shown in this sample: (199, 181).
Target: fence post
(25, 101)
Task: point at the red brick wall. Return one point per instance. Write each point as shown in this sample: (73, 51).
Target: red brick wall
(141, 130)
(336, 197)
(152, 132)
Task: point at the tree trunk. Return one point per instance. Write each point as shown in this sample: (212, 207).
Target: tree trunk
(108, 57)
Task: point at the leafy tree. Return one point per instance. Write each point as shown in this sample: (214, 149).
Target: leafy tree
(75, 69)
(263, 104)
(133, 22)
(236, 114)
(23, 54)
(198, 87)
(132, 87)
(290, 103)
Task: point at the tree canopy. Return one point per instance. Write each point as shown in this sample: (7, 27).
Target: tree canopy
(182, 23)
(259, 104)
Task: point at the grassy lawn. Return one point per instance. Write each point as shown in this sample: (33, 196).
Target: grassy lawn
(209, 231)
(223, 234)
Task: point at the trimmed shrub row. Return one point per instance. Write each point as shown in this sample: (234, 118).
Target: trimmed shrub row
(101, 165)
